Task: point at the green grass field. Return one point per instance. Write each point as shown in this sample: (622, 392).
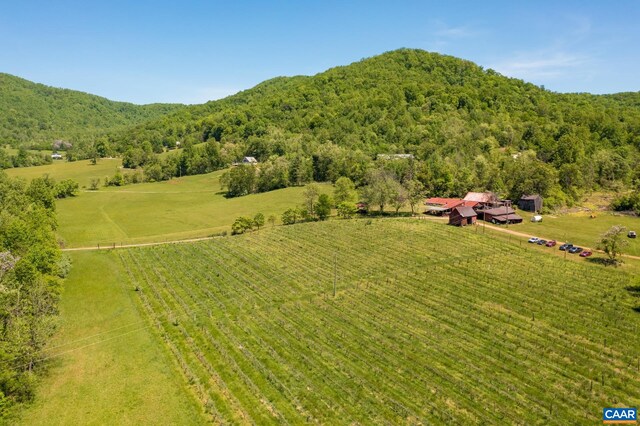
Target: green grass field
(187, 207)
(580, 229)
(107, 366)
(81, 171)
(430, 324)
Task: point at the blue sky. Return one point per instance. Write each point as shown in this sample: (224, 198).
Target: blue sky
(193, 51)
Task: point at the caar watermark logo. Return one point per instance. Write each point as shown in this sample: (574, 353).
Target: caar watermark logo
(619, 415)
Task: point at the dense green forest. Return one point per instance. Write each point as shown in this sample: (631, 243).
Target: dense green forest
(35, 115)
(31, 269)
(468, 128)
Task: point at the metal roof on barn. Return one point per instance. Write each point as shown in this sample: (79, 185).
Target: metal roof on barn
(499, 211)
(465, 211)
(481, 197)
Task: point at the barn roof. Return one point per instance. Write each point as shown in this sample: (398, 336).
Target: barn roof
(505, 217)
(465, 211)
(530, 197)
(499, 211)
(481, 197)
(437, 203)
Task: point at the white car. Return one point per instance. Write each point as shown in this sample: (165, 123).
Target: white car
(534, 239)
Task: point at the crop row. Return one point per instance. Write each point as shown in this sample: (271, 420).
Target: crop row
(428, 325)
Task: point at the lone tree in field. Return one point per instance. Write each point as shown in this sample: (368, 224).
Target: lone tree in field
(612, 243)
(258, 220)
(344, 190)
(323, 206)
(311, 194)
(415, 193)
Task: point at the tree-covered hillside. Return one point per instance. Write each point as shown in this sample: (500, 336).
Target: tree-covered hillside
(35, 115)
(469, 128)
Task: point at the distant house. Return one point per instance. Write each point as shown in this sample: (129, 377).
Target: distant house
(462, 216)
(530, 203)
(444, 206)
(395, 157)
(501, 215)
(56, 156)
(249, 160)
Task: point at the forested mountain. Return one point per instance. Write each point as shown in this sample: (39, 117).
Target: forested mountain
(35, 115)
(469, 128)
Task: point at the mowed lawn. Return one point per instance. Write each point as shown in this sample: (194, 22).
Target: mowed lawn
(430, 324)
(579, 228)
(107, 365)
(187, 207)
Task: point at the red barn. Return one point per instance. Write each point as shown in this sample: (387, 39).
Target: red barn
(462, 216)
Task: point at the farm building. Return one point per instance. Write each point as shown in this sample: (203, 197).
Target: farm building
(462, 216)
(249, 160)
(56, 156)
(441, 206)
(530, 203)
(501, 215)
(483, 199)
(444, 206)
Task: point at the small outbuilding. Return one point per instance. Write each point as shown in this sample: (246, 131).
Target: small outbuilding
(502, 215)
(56, 156)
(530, 203)
(249, 160)
(462, 216)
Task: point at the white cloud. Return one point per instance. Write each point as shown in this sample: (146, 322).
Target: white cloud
(536, 65)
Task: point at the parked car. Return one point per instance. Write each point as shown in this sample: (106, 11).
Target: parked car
(575, 249)
(566, 246)
(551, 243)
(586, 253)
(632, 234)
(541, 242)
(533, 239)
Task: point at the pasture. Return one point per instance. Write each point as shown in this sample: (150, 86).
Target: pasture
(187, 207)
(429, 324)
(106, 366)
(81, 171)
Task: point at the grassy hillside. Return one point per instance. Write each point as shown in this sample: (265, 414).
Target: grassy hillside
(33, 114)
(106, 367)
(429, 324)
(81, 171)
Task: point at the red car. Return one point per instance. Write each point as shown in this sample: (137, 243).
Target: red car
(551, 243)
(586, 253)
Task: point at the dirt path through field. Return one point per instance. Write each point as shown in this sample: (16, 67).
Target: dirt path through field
(191, 240)
(118, 246)
(521, 234)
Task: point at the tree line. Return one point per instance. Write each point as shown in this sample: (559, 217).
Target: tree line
(31, 271)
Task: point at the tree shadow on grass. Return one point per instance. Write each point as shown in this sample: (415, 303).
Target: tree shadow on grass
(601, 261)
